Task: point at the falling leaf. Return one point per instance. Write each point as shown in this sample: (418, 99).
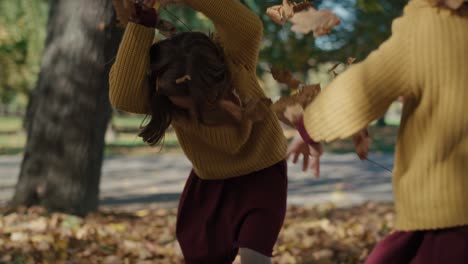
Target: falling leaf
(361, 142)
(321, 22)
(293, 113)
(285, 77)
(280, 14)
(255, 109)
(287, 104)
(333, 69)
(351, 60)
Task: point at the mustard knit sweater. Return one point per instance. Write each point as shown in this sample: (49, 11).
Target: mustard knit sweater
(426, 61)
(215, 152)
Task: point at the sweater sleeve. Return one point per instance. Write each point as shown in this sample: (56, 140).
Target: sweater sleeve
(363, 92)
(239, 29)
(127, 79)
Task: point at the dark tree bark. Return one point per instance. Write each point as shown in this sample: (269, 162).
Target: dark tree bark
(381, 122)
(70, 110)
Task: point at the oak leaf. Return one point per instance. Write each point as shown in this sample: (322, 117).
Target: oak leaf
(361, 142)
(286, 108)
(285, 77)
(321, 22)
(280, 14)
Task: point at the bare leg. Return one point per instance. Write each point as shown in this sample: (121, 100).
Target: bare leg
(249, 256)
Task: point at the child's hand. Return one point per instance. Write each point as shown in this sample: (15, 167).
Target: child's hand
(314, 151)
(144, 13)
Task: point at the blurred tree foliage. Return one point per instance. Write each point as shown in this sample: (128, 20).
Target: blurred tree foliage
(22, 34)
(365, 24)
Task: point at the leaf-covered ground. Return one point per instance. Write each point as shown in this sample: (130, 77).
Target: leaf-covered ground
(320, 234)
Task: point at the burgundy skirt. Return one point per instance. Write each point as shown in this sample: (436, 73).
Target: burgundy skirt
(217, 217)
(423, 247)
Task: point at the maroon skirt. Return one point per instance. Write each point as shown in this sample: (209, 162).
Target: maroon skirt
(423, 247)
(217, 217)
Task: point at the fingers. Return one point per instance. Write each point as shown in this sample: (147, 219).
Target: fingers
(296, 157)
(305, 164)
(317, 166)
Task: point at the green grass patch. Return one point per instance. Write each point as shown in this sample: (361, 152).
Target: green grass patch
(127, 121)
(10, 124)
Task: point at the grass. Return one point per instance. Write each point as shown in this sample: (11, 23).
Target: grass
(130, 121)
(10, 124)
(12, 138)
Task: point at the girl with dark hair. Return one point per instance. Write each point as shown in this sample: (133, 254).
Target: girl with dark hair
(235, 196)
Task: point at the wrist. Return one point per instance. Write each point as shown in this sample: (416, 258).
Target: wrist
(303, 132)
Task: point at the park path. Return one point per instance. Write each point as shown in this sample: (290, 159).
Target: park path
(133, 182)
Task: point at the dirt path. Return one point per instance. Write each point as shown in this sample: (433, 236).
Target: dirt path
(141, 181)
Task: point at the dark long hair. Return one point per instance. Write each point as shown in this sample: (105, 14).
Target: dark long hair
(190, 54)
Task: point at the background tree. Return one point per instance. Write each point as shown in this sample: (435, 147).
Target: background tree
(22, 34)
(70, 109)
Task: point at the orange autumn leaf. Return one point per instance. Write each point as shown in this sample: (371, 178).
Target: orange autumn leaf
(280, 14)
(361, 142)
(321, 22)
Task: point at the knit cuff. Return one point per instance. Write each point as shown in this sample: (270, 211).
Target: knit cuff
(303, 132)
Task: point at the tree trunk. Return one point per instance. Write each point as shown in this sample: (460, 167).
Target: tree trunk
(67, 119)
(381, 122)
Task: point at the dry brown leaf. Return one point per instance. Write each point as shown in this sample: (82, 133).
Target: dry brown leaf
(332, 70)
(318, 234)
(285, 77)
(351, 60)
(321, 22)
(293, 113)
(280, 14)
(255, 109)
(285, 108)
(362, 142)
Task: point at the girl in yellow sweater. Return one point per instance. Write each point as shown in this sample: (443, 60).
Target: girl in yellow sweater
(235, 196)
(426, 61)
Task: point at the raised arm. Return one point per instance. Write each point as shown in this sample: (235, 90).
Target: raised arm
(365, 91)
(127, 80)
(239, 29)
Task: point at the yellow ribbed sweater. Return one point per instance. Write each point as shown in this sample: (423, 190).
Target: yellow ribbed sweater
(426, 61)
(215, 152)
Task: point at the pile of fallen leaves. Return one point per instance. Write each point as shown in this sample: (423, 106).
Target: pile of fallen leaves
(320, 234)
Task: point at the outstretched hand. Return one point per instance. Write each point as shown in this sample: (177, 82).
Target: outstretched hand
(313, 151)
